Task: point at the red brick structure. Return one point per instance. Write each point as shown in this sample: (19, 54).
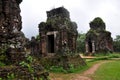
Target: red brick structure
(58, 34)
(97, 38)
(10, 23)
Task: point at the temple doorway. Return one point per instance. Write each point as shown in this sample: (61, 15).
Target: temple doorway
(90, 46)
(51, 43)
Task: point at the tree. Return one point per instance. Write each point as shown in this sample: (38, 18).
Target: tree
(81, 42)
(116, 44)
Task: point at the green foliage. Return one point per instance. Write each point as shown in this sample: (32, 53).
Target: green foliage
(117, 38)
(116, 44)
(28, 63)
(109, 56)
(58, 69)
(92, 33)
(40, 79)
(3, 57)
(11, 76)
(114, 55)
(97, 21)
(71, 69)
(1, 79)
(2, 64)
(81, 42)
(24, 64)
(30, 59)
(108, 71)
(99, 58)
(3, 52)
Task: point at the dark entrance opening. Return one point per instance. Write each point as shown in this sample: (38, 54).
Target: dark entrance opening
(50, 43)
(90, 45)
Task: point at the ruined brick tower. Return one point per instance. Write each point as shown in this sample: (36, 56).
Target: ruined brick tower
(12, 39)
(97, 38)
(58, 33)
(10, 23)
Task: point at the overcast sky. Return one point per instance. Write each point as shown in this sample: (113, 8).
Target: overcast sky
(81, 11)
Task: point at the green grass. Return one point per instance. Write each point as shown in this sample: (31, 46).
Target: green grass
(78, 69)
(99, 57)
(109, 55)
(108, 71)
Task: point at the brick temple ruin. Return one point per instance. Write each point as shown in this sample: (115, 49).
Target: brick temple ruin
(12, 39)
(58, 34)
(10, 23)
(12, 44)
(58, 40)
(97, 38)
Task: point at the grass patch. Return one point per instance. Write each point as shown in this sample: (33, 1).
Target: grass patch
(108, 71)
(114, 55)
(109, 55)
(72, 69)
(101, 56)
(96, 59)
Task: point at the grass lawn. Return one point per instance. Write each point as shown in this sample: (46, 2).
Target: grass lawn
(108, 71)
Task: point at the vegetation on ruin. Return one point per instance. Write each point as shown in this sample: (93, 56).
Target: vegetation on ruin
(62, 64)
(98, 22)
(3, 50)
(72, 69)
(30, 68)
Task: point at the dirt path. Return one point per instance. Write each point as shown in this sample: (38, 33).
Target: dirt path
(85, 74)
(90, 71)
(93, 68)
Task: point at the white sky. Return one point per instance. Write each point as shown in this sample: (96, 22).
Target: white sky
(81, 11)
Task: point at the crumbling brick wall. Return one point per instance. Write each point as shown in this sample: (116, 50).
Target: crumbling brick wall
(63, 30)
(97, 38)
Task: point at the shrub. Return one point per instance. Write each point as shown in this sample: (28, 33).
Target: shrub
(11, 76)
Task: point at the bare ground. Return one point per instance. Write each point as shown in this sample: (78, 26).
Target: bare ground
(82, 76)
